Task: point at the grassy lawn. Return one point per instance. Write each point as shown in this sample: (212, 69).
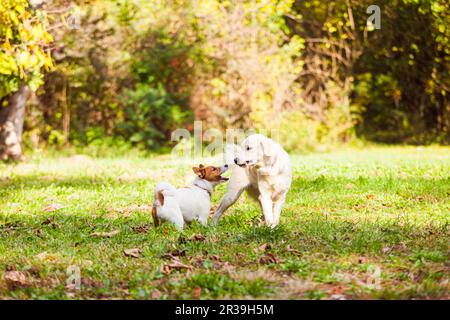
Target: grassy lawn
(357, 224)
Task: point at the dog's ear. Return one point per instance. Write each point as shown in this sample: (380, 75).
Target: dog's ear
(160, 196)
(267, 148)
(200, 171)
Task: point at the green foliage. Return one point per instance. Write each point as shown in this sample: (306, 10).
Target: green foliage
(402, 80)
(97, 143)
(251, 64)
(389, 84)
(299, 132)
(24, 46)
(313, 70)
(150, 115)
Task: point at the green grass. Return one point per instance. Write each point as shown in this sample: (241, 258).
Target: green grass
(357, 224)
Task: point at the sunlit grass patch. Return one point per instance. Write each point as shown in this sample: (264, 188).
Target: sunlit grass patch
(357, 224)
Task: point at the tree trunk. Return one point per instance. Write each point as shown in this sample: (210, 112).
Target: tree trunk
(11, 124)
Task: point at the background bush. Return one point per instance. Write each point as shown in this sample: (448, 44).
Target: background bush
(314, 70)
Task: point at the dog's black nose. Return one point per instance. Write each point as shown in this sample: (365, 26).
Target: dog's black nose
(247, 161)
(235, 160)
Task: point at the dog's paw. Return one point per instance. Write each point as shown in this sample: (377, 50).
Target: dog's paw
(214, 221)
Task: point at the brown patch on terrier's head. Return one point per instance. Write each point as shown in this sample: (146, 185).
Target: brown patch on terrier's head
(210, 173)
(160, 197)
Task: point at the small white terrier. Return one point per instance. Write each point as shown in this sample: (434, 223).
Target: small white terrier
(183, 205)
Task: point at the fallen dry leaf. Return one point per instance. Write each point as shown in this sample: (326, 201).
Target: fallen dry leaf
(156, 294)
(15, 279)
(197, 237)
(416, 276)
(52, 207)
(268, 259)
(292, 250)
(370, 196)
(240, 255)
(196, 292)
(259, 221)
(91, 283)
(50, 221)
(48, 257)
(386, 249)
(264, 247)
(226, 266)
(199, 261)
(173, 255)
(214, 257)
(362, 260)
(105, 234)
(70, 288)
(175, 264)
(134, 253)
(142, 229)
(172, 252)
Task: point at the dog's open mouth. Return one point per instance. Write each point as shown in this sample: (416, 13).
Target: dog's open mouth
(223, 178)
(246, 164)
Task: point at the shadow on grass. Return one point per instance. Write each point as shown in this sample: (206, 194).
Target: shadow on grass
(30, 182)
(305, 231)
(299, 185)
(316, 233)
(337, 238)
(381, 184)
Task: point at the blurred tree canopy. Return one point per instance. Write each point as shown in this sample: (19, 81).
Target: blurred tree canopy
(131, 71)
(24, 40)
(390, 85)
(24, 55)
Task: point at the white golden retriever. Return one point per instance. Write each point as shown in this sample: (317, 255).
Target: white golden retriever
(262, 168)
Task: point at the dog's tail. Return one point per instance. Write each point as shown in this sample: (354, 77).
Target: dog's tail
(165, 205)
(159, 198)
(164, 186)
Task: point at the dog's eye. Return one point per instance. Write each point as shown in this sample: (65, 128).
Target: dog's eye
(248, 148)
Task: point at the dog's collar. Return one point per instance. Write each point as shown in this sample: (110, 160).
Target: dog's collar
(209, 192)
